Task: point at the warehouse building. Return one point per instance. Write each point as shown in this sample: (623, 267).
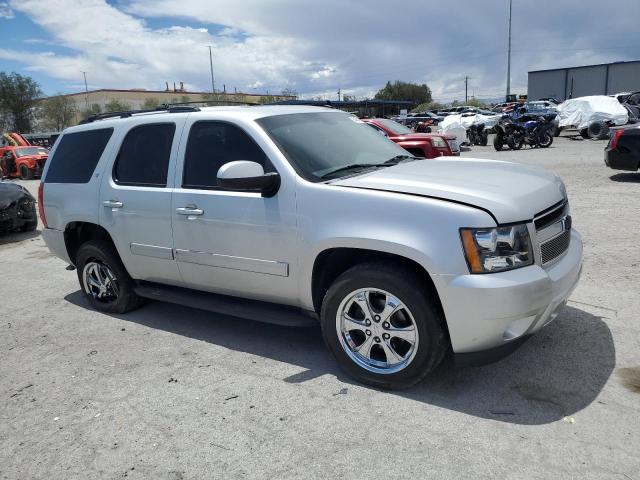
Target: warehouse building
(135, 99)
(603, 79)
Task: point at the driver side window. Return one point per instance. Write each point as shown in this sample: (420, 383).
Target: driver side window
(211, 144)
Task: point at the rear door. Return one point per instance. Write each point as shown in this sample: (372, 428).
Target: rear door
(136, 202)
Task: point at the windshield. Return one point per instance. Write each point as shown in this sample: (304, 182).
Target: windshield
(321, 142)
(23, 152)
(395, 127)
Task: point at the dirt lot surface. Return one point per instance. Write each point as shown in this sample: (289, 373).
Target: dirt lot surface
(169, 392)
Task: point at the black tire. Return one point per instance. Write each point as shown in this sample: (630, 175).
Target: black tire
(25, 172)
(484, 139)
(584, 133)
(598, 131)
(103, 252)
(498, 142)
(29, 226)
(401, 283)
(546, 140)
(515, 144)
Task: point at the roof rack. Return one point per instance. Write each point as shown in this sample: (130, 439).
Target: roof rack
(178, 107)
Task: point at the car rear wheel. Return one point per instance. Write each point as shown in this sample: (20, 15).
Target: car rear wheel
(104, 280)
(25, 172)
(382, 330)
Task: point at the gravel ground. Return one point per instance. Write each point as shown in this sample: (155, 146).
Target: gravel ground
(169, 392)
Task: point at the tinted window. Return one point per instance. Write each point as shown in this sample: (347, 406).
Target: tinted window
(143, 158)
(211, 145)
(77, 155)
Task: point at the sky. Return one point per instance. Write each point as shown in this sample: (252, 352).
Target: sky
(313, 47)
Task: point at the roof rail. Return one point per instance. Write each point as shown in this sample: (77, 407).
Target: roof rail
(127, 113)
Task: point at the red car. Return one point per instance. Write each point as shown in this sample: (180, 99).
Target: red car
(427, 145)
(24, 162)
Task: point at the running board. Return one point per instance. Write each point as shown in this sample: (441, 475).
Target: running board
(265, 312)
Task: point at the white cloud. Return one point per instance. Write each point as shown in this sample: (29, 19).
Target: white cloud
(5, 11)
(319, 47)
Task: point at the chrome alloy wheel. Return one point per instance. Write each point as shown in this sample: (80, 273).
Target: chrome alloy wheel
(100, 282)
(377, 330)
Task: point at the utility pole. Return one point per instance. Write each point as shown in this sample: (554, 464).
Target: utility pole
(339, 92)
(466, 89)
(86, 92)
(213, 85)
(509, 54)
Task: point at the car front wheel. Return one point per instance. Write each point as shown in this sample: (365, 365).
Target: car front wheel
(382, 330)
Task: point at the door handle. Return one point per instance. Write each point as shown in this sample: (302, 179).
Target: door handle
(190, 210)
(113, 203)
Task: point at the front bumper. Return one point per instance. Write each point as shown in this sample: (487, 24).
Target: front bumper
(494, 312)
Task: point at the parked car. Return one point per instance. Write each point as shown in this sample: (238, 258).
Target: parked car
(17, 208)
(427, 145)
(303, 215)
(623, 150)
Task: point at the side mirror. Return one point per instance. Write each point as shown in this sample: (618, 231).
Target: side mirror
(245, 176)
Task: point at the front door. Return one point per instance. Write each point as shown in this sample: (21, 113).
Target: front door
(230, 242)
(135, 201)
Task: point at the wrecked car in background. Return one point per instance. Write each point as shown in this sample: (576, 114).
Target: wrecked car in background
(425, 145)
(17, 208)
(592, 115)
(18, 158)
(458, 124)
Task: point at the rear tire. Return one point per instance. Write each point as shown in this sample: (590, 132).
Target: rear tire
(584, 133)
(104, 279)
(25, 173)
(598, 131)
(379, 286)
(515, 144)
(484, 139)
(546, 140)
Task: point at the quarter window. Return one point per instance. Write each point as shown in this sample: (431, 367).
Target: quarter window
(143, 159)
(210, 146)
(77, 155)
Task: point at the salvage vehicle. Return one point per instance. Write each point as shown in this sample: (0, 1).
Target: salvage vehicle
(23, 162)
(426, 145)
(623, 150)
(478, 135)
(525, 130)
(592, 116)
(302, 215)
(17, 208)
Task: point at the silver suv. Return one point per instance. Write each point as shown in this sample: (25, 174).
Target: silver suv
(300, 215)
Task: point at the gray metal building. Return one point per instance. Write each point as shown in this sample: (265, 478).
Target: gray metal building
(603, 79)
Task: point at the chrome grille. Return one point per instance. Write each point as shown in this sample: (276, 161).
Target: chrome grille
(555, 247)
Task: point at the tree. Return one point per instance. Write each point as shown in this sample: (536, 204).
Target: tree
(412, 92)
(150, 104)
(289, 92)
(474, 102)
(18, 99)
(94, 109)
(428, 106)
(58, 113)
(117, 106)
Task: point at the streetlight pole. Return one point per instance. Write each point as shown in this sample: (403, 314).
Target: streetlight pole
(509, 54)
(86, 92)
(213, 85)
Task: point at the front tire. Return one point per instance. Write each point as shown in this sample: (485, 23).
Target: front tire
(382, 330)
(498, 142)
(104, 279)
(25, 173)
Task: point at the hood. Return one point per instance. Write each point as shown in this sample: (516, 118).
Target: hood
(510, 191)
(419, 137)
(11, 192)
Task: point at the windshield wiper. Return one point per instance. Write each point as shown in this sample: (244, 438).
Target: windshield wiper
(399, 158)
(353, 166)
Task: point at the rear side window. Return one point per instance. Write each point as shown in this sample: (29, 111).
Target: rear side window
(77, 155)
(143, 159)
(211, 145)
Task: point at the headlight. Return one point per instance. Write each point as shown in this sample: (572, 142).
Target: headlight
(438, 142)
(497, 249)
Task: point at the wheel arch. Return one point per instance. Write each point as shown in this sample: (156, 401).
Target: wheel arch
(77, 233)
(330, 263)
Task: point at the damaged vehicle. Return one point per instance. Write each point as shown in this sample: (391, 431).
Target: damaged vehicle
(17, 209)
(18, 158)
(302, 215)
